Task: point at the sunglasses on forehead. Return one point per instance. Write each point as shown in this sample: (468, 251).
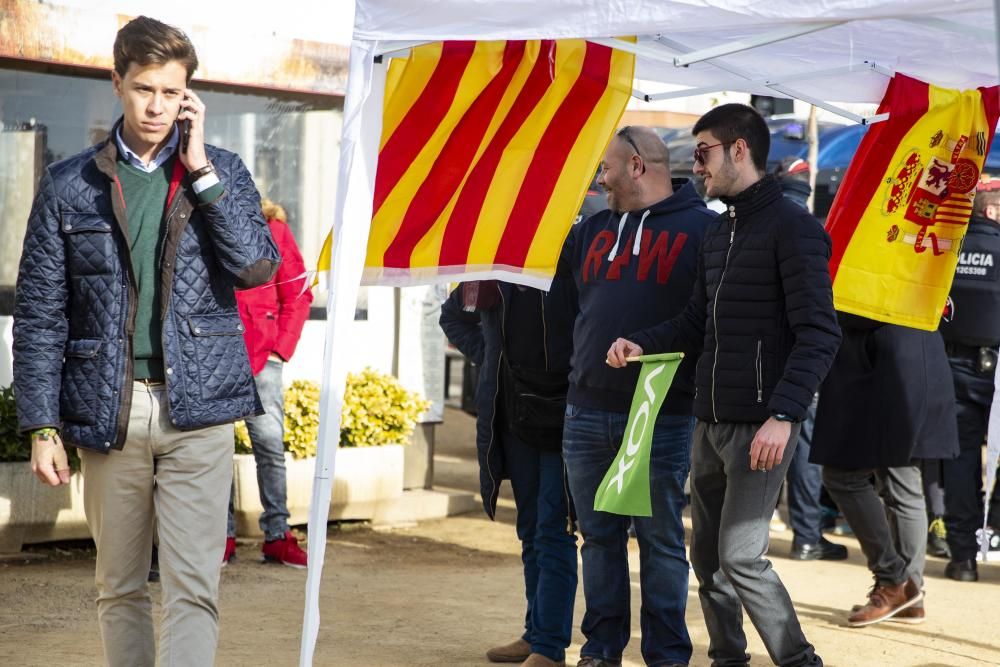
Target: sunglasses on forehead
(701, 152)
(625, 133)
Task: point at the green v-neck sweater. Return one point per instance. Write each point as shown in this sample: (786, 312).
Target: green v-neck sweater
(145, 197)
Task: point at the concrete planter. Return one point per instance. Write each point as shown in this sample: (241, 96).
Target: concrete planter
(32, 512)
(366, 481)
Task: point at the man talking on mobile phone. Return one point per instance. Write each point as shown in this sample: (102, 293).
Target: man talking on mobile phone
(128, 344)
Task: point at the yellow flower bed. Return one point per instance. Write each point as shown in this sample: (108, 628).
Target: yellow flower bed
(378, 410)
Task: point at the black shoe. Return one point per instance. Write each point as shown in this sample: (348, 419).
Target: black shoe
(822, 550)
(962, 570)
(588, 661)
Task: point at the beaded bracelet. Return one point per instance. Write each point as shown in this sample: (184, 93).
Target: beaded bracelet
(45, 434)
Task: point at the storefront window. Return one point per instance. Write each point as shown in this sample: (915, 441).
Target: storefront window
(289, 142)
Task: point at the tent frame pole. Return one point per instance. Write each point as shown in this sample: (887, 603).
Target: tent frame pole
(730, 48)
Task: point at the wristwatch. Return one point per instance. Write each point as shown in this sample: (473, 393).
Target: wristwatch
(782, 417)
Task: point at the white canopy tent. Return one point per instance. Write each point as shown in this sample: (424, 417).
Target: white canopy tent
(822, 52)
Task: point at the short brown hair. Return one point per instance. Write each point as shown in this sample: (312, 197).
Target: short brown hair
(730, 122)
(985, 197)
(146, 41)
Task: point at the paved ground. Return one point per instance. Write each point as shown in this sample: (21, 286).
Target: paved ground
(441, 592)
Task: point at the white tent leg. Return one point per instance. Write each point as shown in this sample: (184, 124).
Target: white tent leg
(353, 214)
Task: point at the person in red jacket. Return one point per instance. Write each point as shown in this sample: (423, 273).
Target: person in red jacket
(273, 316)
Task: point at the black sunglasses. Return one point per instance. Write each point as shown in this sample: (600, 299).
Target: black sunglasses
(700, 152)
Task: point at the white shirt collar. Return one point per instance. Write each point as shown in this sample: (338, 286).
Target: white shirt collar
(165, 153)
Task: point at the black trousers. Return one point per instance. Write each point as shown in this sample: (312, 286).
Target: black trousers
(963, 476)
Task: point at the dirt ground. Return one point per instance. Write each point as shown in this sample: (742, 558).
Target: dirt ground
(442, 592)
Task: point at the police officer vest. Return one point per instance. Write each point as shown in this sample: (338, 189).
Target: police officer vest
(975, 294)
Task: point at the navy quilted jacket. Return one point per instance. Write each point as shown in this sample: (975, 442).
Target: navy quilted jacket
(74, 308)
(761, 313)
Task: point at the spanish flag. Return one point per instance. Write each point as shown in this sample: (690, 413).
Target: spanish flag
(901, 213)
(487, 150)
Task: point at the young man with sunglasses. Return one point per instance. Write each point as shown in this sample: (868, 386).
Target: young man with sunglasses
(632, 266)
(761, 317)
(128, 344)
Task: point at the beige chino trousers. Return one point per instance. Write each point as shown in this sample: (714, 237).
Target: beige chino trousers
(177, 481)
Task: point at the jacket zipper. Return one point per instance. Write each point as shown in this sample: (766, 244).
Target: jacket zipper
(165, 298)
(545, 333)
(496, 394)
(570, 528)
(715, 307)
(760, 373)
(131, 302)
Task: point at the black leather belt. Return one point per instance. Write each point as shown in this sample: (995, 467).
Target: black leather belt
(960, 350)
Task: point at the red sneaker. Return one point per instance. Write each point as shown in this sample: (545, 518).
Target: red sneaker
(230, 552)
(285, 551)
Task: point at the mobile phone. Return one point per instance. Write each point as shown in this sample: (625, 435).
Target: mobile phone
(185, 129)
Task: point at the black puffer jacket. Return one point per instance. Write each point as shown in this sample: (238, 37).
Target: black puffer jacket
(761, 314)
(74, 309)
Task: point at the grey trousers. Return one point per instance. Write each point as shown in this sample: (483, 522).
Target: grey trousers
(885, 509)
(731, 508)
(181, 479)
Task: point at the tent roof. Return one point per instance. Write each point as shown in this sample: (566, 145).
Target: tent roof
(950, 43)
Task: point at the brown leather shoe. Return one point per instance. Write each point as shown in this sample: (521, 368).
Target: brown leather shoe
(911, 615)
(539, 660)
(884, 602)
(516, 651)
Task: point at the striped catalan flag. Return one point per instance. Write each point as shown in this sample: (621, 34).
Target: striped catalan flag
(487, 150)
(901, 213)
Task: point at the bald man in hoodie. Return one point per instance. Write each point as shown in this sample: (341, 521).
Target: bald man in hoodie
(632, 266)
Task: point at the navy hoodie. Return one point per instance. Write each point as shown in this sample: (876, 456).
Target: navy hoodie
(630, 272)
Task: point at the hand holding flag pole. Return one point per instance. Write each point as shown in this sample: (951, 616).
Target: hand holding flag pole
(625, 488)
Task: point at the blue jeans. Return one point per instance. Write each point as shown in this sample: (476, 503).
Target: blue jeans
(548, 545)
(591, 439)
(267, 435)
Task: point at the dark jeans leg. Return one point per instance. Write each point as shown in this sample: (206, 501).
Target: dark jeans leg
(804, 482)
(963, 481)
(932, 480)
(548, 549)
(731, 509)
(522, 467)
(589, 447)
(854, 492)
(663, 566)
(902, 494)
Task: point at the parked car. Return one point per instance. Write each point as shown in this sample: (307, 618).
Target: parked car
(595, 201)
(788, 138)
(836, 149)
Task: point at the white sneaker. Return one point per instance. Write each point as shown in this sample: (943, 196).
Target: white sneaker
(993, 539)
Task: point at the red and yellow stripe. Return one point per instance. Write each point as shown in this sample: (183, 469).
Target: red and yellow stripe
(903, 208)
(487, 150)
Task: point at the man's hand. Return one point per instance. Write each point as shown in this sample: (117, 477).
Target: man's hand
(48, 458)
(273, 356)
(620, 351)
(769, 444)
(193, 110)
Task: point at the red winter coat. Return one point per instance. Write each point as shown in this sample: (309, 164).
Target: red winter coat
(274, 313)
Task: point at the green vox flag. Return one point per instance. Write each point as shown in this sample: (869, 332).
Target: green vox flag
(625, 489)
